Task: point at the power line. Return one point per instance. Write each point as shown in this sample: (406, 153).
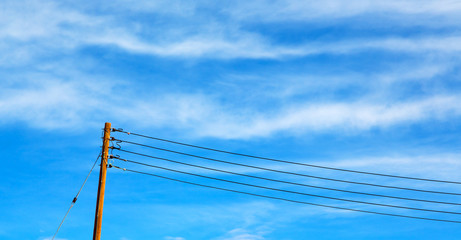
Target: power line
(289, 200)
(76, 196)
(285, 172)
(285, 161)
(292, 183)
(289, 191)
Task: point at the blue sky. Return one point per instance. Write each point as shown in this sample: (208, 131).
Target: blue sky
(366, 85)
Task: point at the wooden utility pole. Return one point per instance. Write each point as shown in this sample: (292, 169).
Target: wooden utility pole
(102, 182)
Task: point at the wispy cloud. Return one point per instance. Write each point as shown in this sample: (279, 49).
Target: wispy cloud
(241, 234)
(308, 10)
(49, 238)
(340, 116)
(447, 165)
(174, 238)
(50, 104)
(52, 26)
(254, 47)
(56, 104)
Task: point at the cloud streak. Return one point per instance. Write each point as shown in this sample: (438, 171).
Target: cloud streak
(59, 104)
(306, 10)
(51, 26)
(338, 116)
(241, 234)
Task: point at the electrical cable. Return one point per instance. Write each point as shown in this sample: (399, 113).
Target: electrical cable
(288, 200)
(289, 191)
(285, 161)
(294, 183)
(285, 172)
(76, 196)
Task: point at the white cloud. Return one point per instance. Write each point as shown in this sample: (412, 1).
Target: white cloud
(163, 7)
(49, 102)
(245, 46)
(249, 46)
(174, 238)
(283, 10)
(49, 238)
(327, 116)
(40, 28)
(442, 44)
(241, 234)
(447, 165)
(202, 116)
(61, 104)
(377, 86)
